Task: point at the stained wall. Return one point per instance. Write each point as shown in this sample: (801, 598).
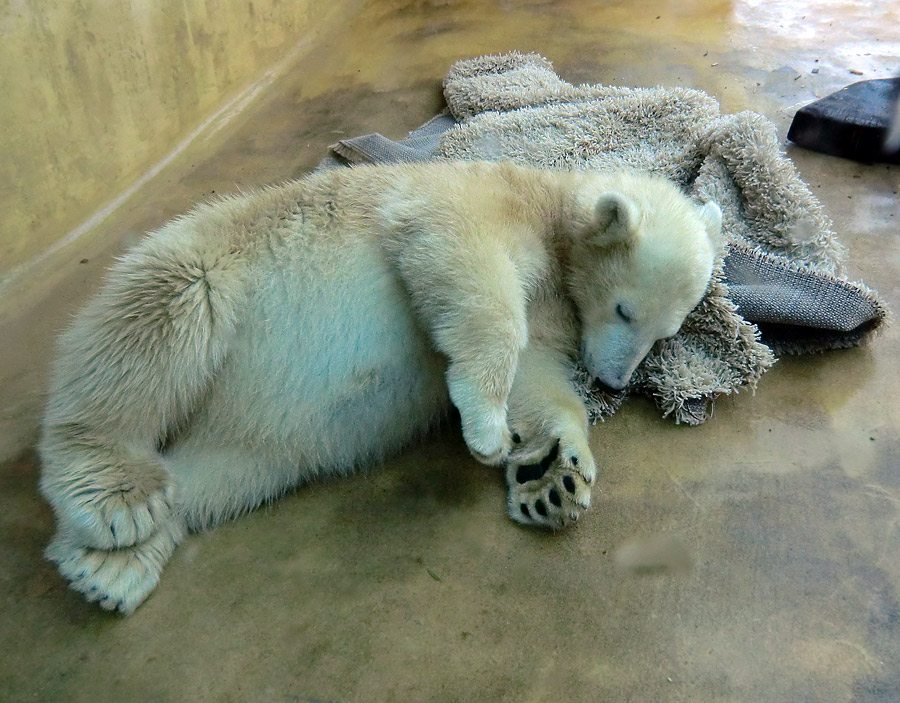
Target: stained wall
(96, 93)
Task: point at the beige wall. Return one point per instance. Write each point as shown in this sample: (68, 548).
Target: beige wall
(94, 92)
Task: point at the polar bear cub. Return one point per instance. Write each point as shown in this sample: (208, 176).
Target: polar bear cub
(306, 330)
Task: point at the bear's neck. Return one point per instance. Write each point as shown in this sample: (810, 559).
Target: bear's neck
(565, 219)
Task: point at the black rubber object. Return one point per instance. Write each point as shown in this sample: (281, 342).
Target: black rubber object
(852, 123)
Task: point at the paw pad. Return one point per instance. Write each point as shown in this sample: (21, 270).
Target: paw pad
(549, 493)
(532, 472)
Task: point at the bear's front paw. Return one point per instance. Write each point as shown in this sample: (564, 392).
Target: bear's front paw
(483, 420)
(552, 491)
(489, 439)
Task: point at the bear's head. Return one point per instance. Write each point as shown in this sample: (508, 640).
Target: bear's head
(641, 259)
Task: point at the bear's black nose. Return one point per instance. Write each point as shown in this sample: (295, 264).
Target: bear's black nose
(606, 388)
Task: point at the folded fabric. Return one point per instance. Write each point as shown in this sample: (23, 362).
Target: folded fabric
(782, 267)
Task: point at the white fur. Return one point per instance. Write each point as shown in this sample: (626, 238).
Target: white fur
(306, 330)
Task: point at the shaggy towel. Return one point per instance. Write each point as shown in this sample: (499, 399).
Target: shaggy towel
(782, 266)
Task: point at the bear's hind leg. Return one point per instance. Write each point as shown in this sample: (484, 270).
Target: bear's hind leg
(106, 494)
(116, 579)
(131, 369)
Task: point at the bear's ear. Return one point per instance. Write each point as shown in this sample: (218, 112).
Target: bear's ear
(616, 218)
(711, 216)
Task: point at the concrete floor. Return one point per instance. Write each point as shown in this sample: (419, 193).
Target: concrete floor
(408, 583)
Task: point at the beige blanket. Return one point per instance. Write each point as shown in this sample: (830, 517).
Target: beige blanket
(779, 286)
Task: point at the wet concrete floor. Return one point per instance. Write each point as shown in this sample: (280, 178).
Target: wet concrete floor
(408, 583)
